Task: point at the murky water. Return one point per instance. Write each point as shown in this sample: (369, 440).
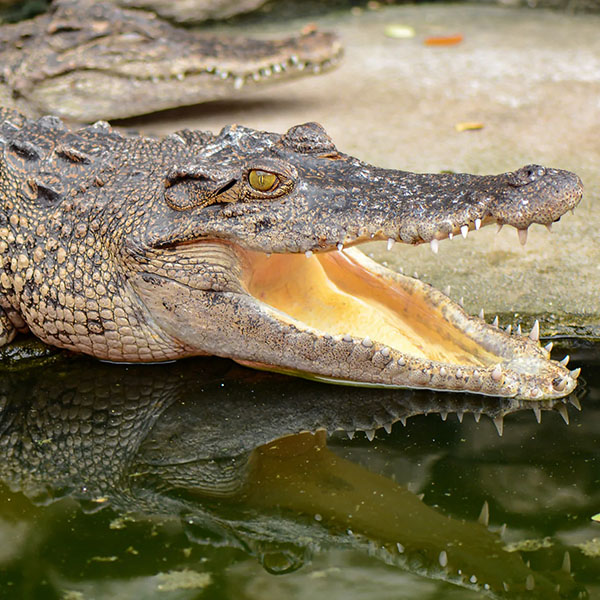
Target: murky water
(192, 480)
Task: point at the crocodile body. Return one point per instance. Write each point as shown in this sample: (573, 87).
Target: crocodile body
(239, 244)
(191, 442)
(87, 61)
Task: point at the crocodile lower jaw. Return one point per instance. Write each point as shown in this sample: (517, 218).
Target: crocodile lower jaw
(397, 330)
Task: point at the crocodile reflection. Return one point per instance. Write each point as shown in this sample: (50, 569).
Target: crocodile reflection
(241, 459)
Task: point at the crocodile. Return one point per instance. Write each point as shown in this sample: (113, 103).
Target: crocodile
(242, 244)
(86, 61)
(189, 442)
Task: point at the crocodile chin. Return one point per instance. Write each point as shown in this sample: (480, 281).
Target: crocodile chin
(414, 335)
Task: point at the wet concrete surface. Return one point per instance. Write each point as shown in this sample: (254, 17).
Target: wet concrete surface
(532, 77)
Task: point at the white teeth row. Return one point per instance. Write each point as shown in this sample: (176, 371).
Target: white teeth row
(239, 80)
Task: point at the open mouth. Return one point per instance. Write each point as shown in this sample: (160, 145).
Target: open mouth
(415, 335)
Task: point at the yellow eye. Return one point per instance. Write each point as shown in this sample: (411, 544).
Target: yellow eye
(263, 181)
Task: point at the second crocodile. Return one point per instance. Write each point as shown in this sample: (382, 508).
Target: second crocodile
(239, 244)
(86, 61)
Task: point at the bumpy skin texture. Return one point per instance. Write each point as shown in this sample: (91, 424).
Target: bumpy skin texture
(86, 61)
(132, 249)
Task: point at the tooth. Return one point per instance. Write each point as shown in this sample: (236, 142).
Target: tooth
(565, 361)
(534, 335)
(548, 347)
(477, 417)
(566, 563)
(388, 428)
(575, 402)
(390, 244)
(500, 226)
(350, 434)
(443, 558)
(508, 329)
(537, 411)
(367, 343)
(340, 246)
(484, 515)
(450, 236)
(238, 83)
(549, 227)
(370, 433)
(400, 547)
(385, 351)
(519, 330)
(499, 423)
(443, 371)
(482, 314)
(401, 361)
(444, 415)
(460, 415)
(560, 386)
(464, 231)
(276, 68)
(294, 59)
(435, 245)
(477, 223)
(496, 321)
(497, 373)
(447, 290)
(522, 236)
(575, 373)
(308, 253)
(530, 583)
(462, 302)
(564, 413)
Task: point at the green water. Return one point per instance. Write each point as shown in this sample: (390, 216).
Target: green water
(175, 482)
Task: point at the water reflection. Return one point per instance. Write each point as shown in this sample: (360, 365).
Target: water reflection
(242, 461)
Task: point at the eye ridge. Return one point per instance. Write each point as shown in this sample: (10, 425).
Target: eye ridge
(263, 181)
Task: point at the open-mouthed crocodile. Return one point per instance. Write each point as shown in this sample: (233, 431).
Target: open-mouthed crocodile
(85, 61)
(239, 245)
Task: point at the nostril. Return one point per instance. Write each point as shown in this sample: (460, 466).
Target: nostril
(527, 174)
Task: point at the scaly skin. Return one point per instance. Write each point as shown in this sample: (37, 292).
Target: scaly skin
(138, 250)
(86, 61)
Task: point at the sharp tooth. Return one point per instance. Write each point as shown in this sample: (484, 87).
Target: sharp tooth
(308, 253)
(549, 227)
(548, 347)
(519, 330)
(462, 302)
(294, 59)
(566, 563)
(180, 76)
(499, 423)
(450, 236)
(537, 411)
(500, 226)
(522, 236)
(482, 314)
(390, 243)
(508, 329)
(447, 290)
(565, 361)
(564, 413)
(464, 231)
(367, 343)
(340, 247)
(435, 245)
(484, 515)
(560, 386)
(477, 223)
(534, 334)
(370, 433)
(443, 371)
(496, 321)
(575, 402)
(529, 583)
(238, 83)
(575, 373)
(276, 68)
(388, 428)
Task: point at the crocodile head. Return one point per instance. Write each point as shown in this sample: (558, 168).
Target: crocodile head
(87, 61)
(276, 218)
(243, 245)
